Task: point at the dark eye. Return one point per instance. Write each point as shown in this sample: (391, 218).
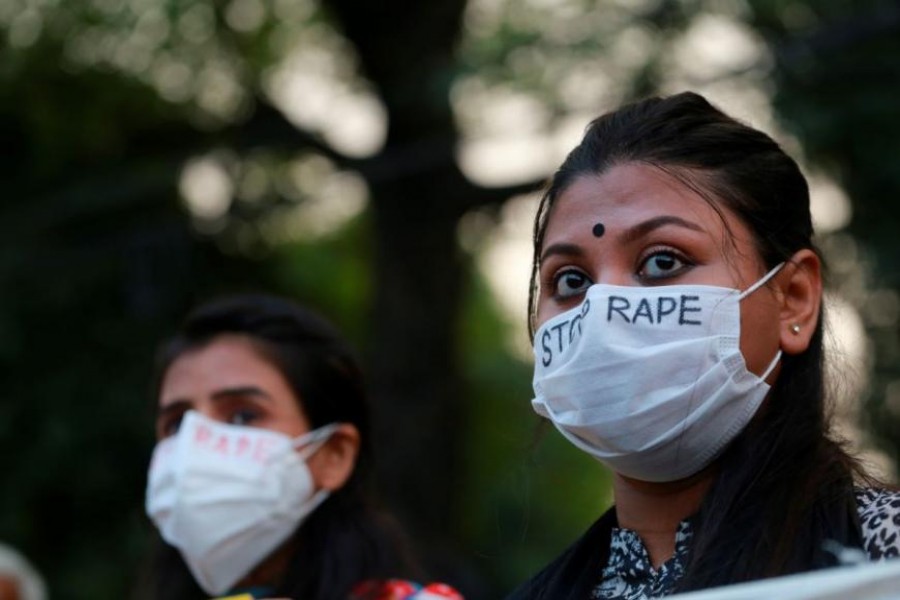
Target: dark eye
(170, 425)
(570, 283)
(243, 416)
(661, 265)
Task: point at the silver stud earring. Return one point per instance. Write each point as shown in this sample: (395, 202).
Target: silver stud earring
(795, 328)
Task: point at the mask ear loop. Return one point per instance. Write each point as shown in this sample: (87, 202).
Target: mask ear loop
(765, 279)
(749, 291)
(771, 366)
(309, 443)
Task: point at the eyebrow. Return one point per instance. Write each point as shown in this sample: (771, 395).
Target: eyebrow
(562, 248)
(246, 390)
(642, 229)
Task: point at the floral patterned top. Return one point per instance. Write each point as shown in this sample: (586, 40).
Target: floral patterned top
(629, 574)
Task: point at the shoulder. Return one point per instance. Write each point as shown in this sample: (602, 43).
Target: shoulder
(575, 572)
(879, 517)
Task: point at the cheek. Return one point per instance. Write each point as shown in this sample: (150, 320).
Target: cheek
(759, 332)
(288, 422)
(545, 311)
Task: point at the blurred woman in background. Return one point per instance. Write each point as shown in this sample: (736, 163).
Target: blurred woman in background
(258, 483)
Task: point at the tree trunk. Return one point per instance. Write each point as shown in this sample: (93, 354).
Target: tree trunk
(417, 196)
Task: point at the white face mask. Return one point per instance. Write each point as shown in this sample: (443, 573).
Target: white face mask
(226, 496)
(649, 380)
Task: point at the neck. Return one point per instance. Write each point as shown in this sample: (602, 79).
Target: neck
(270, 571)
(654, 510)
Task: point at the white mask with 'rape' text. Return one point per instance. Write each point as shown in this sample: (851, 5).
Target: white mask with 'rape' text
(227, 496)
(649, 380)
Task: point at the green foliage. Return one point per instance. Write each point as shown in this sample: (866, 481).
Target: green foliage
(528, 493)
(837, 87)
(332, 273)
(98, 260)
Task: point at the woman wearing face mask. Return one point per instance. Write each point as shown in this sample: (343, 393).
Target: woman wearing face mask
(676, 311)
(258, 481)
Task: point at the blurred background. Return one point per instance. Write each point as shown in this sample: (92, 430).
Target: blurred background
(378, 161)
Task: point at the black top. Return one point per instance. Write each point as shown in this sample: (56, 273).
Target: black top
(585, 570)
(576, 572)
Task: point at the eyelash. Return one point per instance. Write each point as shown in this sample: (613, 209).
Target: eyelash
(251, 414)
(663, 251)
(170, 425)
(556, 278)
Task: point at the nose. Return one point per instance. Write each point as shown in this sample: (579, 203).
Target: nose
(208, 410)
(621, 277)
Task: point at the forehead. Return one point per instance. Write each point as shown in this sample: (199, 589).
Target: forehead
(226, 361)
(630, 193)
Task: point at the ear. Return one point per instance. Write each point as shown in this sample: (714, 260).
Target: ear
(801, 300)
(333, 463)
